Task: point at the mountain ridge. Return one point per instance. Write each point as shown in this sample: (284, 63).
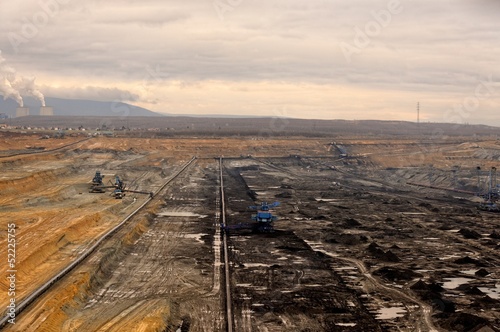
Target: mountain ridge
(78, 107)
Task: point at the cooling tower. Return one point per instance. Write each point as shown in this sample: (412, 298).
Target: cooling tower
(22, 111)
(45, 110)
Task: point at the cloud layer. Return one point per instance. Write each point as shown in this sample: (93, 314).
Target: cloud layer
(315, 59)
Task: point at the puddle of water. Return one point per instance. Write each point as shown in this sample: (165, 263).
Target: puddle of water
(326, 252)
(449, 257)
(494, 293)
(345, 268)
(197, 237)
(327, 199)
(469, 272)
(317, 246)
(390, 313)
(313, 243)
(452, 283)
(357, 231)
(346, 324)
(431, 238)
(181, 214)
(256, 265)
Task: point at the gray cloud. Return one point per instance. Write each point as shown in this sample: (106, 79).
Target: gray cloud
(427, 48)
(96, 93)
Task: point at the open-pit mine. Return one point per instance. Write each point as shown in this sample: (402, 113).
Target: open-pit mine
(246, 233)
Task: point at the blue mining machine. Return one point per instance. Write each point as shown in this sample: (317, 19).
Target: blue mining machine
(263, 219)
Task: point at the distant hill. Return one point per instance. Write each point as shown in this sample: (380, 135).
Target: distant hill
(261, 127)
(74, 107)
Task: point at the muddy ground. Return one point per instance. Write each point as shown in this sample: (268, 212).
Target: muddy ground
(349, 254)
(355, 248)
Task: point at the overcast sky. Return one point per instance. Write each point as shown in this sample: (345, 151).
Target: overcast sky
(325, 59)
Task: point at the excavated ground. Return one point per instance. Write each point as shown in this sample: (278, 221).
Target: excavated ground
(354, 254)
(355, 248)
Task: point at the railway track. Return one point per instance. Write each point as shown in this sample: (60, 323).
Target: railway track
(281, 169)
(21, 306)
(227, 280)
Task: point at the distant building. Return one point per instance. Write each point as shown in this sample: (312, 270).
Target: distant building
(22, 111)
(47, 111)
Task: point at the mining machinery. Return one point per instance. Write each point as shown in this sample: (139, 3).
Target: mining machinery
(119, 191)
(263, 219)
(264, 216)
(119, 187)
(97, 180)
(97, 185)
(493, 193)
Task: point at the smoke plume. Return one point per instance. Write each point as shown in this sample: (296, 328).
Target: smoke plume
(7, 76)
(27, 86)
(8, 91)
(12, 85)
